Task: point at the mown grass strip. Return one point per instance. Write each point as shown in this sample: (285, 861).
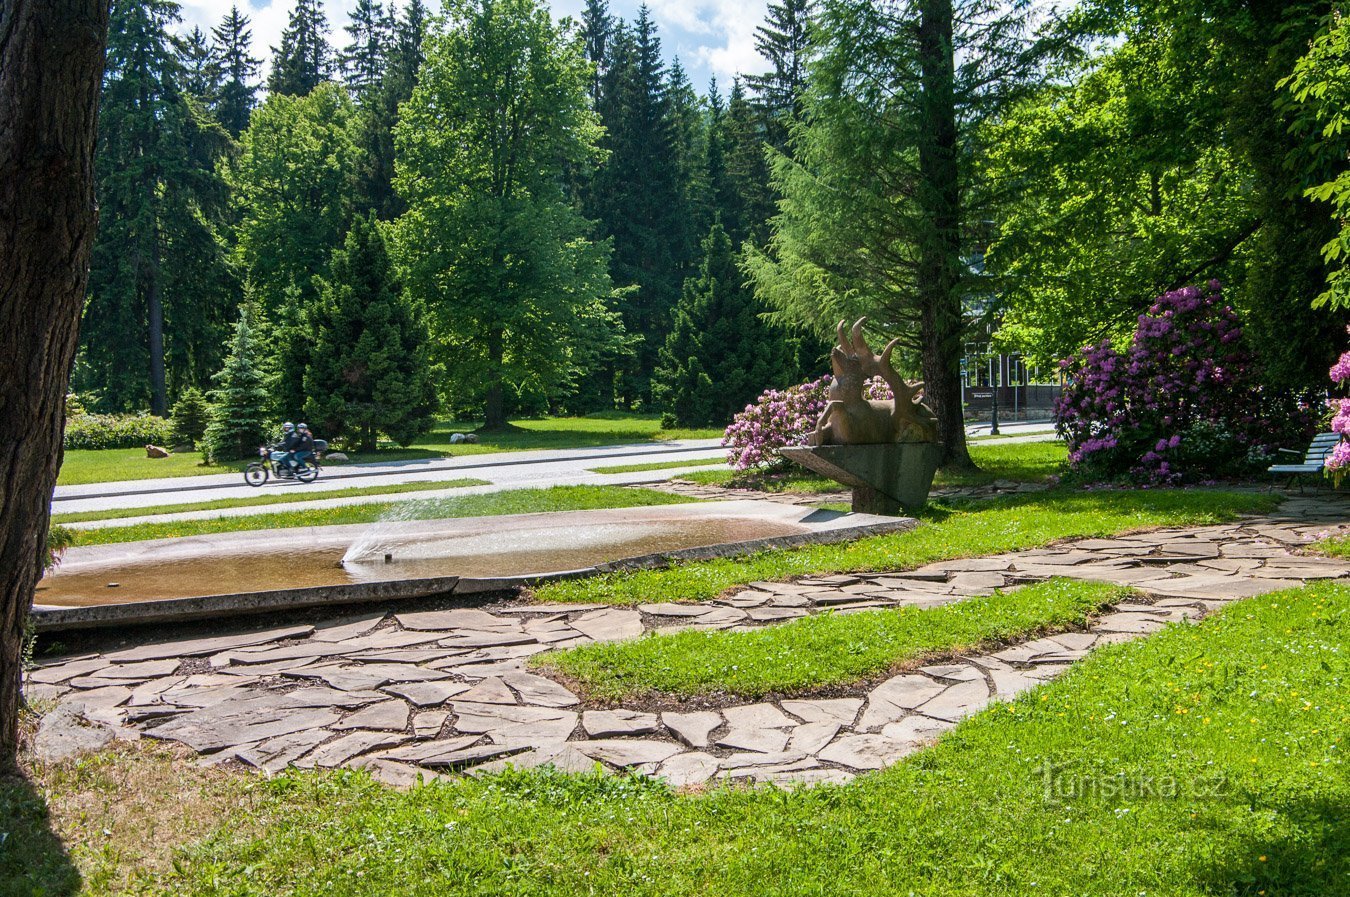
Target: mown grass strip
(1023, 462)
(824, 650)
(514, 501)
(1202, 760)
(971, 529)
(270, 498)
(658, 465)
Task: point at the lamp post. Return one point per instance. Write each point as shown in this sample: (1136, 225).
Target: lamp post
(993, 391)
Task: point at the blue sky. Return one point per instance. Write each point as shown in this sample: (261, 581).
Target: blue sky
(711, 37)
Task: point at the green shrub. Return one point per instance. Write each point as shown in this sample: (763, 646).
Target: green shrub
(110, 431)
(189, 417)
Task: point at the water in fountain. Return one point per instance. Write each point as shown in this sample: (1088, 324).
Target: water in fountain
(382, 536)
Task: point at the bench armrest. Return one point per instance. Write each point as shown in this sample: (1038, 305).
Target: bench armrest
(1290, 452)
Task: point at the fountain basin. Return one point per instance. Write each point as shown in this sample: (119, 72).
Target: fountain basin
(252, 572)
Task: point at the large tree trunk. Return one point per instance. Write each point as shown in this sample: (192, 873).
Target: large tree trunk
(939, 195)
(159, 394)
(494, 413)
(51, 65)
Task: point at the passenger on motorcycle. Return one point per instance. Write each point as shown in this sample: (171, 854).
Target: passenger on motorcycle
(305, 449)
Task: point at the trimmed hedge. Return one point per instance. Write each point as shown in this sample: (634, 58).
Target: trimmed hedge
(108, 431)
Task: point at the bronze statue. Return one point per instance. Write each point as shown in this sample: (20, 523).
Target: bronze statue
(852, 419)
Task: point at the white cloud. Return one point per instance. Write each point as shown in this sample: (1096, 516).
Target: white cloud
(730, 24)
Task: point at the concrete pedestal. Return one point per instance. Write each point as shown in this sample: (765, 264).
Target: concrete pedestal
(884, 478)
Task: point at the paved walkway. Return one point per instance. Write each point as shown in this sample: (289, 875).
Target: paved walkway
(433, 691)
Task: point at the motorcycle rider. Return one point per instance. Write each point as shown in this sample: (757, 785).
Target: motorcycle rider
(290, 441)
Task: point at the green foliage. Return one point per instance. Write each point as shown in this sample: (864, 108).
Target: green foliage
(1321, 85)
(720, 353)
(160, 288)
(1169, 159)
(293, 189)
(304, 59)
(238, 93)
(490, 243)
(637, 197)
(369, 369)
(823, 650)
(239, 401)
(111, 431)
(191, 414)
(58, 540)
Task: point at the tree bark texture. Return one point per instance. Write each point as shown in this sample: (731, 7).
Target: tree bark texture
(51, 66)
(938, 277)
(494, 401)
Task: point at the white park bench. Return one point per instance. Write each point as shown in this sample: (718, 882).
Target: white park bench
(1314, 458)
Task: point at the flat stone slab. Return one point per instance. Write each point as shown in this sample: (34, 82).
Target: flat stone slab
(66, 733)
(692, 728)
(239, 722)
(608, 723)
(389, 716)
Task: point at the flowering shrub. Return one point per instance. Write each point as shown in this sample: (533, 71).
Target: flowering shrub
(782, 417)
(1181, 402)
(1339, 460)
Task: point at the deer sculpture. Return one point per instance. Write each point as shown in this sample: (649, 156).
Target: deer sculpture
(852, 419)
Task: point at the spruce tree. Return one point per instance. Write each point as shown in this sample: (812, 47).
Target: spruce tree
(720, 353)
(238, 71)
(378, 113)
(190, 417)
(239, 401)
(159, 284)
(637, 196)
(785, 40)
(747, 199)
(364, 59)
(304, 59)
(201, 68)
(369, 370)
(597, 25)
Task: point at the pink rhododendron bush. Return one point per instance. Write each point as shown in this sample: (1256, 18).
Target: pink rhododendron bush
(1182, 402)
(781, 417)
(1338, 463)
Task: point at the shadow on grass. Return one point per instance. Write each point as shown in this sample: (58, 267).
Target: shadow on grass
(1310, 858)
(33, 861)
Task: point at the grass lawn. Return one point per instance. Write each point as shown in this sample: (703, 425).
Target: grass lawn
(514, 501)
(1027, 462)
(824, 650)
(1203, 760)
(612, 428)
(658, 465)
(969, 529)
(299, 495)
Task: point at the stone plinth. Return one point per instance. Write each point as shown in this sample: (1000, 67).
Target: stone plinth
(884, 478)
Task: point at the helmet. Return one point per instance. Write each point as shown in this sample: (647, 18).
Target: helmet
(304, 426)
(287, 427)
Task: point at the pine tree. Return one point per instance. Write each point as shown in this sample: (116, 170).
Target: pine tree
(746, 199)
(190, 417)
(637, 196)
(364, 59)
(159, 285)
(239, 401)
(201, 68)
(238, 69)
(304, 59)
(597, 25)
(370, 370)
(378, 113)
(785, 40)
(690, 134)
(720, 353)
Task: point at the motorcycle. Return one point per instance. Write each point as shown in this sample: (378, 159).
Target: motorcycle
(269, 465)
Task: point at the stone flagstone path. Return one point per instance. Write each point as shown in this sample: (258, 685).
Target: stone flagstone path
(433, 691)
